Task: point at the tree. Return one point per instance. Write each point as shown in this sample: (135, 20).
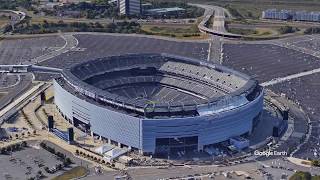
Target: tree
(287, 29)
(59, 166)
(17, 146)
(24, 144)
(3, 150)
(17, 136)
(315, 163)
(77, 152)
(301, 176)
(9, 148)
(68, 161)
(46, 169)
(43, 145)
(40, 173)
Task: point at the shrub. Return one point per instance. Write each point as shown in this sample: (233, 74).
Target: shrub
(46, 169)
(68, 161)
(315, 163)
(24, 144)
(3, 150)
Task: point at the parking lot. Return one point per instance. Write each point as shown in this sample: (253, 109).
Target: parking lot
(95, 46)
(305, 92)
(263, 61)
(266, 62)
(15, 51)
(26, 163)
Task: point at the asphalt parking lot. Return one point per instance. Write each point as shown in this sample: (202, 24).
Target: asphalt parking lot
(7, 80)
(15, 51)
(26, 163)
(266, 62)
(95, 46)
(262, 61)
(305, 91)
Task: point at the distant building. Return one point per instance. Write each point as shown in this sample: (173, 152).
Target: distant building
(130, 7)
(50, 5)
(291, 15)
(146, 6)
(306, 16)
(275, 14)
(174, 11)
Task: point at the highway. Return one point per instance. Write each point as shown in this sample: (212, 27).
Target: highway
(218, 14)
(15, 17)
(20, 102)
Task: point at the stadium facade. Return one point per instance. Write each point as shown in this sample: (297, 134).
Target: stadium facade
(158, 103)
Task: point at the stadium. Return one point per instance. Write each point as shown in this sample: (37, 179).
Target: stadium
(158, 103)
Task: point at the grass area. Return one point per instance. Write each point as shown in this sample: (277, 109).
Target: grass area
(3, 21)
(178, 31)
(254, 31)
(246, 32)
(73, 173)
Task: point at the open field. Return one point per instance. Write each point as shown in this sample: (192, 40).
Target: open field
(259, 32)
(73, 173)
(3, 21)
(178, 31)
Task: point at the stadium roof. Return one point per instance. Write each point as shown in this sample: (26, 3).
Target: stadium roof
(201, 83)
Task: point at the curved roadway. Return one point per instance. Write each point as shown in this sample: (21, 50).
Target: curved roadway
(218, 14)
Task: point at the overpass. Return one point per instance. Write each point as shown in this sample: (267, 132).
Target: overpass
(15, 16)
(28, 68)
(218, 14)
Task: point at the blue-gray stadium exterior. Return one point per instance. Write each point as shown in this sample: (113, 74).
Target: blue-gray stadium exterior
(144, 133)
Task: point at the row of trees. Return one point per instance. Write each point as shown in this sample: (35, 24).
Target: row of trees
(303, 176)
(312, 30)
(94, 158)
(13, 147)
(51, 27)
(5, 4)
(287, 29)
(315, 163)
(66, 161)
(90, 10)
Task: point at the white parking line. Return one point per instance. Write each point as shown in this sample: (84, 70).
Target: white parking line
(293, 76)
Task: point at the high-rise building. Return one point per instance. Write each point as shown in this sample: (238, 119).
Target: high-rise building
(130, 7)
